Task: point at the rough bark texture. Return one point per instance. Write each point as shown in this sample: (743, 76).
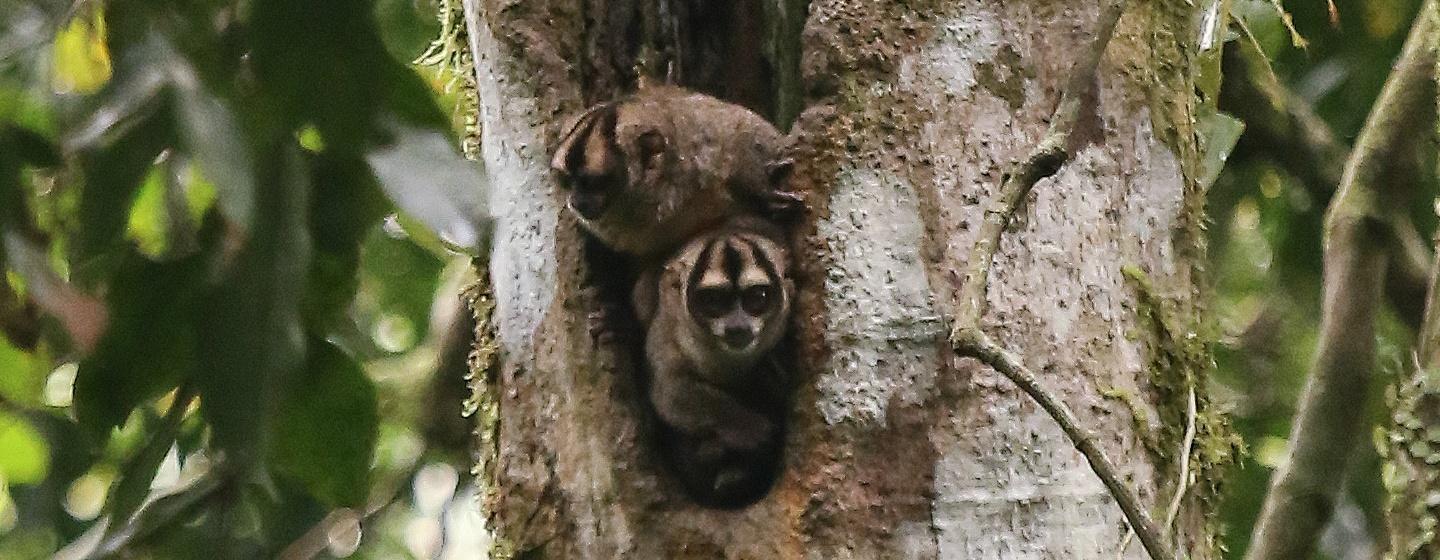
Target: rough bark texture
(897, 449)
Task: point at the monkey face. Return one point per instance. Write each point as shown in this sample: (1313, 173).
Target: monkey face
(598, 167)
(737, 297)
(733, 316)
(589, 167)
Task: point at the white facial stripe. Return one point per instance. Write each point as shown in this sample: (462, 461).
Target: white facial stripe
(714, 276)
(597, 152)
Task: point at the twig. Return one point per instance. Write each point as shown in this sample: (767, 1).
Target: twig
(1303, 492)
(1283, 127)
(129, 492)
(164, 512)
(1187, 445)
(967, 338)
(1182, 484)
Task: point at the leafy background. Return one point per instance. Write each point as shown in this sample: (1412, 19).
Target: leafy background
(273, 182)
(231, 300)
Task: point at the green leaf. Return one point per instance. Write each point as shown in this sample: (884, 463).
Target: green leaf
(22, 373)
(250, 324)
(1218, 134)
(24, 457)
(81, 59)
(327, 427)
(321, 65)
(346, 206)
(400, 278)
(19, 147)
(151, 342)
(429, 180)
(113, 175)
(133, 485)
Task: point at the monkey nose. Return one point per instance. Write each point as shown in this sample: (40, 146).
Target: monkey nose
(738, 337)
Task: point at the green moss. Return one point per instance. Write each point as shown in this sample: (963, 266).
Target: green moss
(1411, 473)
(1181, 361)
(1138, 414)
(450, 55)
(483, 402)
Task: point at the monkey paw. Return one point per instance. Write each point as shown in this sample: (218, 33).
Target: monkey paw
(746, 433)
(785, 204)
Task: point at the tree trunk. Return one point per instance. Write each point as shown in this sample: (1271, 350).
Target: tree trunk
(896, 448)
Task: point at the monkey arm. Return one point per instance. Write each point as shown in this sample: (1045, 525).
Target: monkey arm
(644, 297)
(696, 407)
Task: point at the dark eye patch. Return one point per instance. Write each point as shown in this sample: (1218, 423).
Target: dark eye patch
(756, 300)
(712, 302)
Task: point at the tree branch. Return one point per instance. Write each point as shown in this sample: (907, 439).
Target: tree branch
(1283, 127)
(1359, 220)
(969, 340)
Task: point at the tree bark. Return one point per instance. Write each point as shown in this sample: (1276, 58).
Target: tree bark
(897, 448)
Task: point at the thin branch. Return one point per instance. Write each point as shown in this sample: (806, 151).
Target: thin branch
(164, 512)
(1283, 127)
(130, 491)
(967, 338)
(1182, 484)
(973, 343)
(1302, 494)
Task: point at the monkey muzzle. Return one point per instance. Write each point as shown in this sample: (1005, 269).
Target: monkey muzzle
(738, 337)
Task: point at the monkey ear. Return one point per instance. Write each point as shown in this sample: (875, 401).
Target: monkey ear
(779, 172)
(651, 148)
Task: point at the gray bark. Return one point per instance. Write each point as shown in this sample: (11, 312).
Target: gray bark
(897, 449)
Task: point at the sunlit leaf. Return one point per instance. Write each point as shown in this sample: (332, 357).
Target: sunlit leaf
(147, 225)
(1218, 134)
(82, 61)
(22, 373)
(327, 427)
(426, 176)
(24, 456)
(113, 175)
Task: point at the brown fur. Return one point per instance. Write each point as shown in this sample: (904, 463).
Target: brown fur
(654, 169)
(722, 409)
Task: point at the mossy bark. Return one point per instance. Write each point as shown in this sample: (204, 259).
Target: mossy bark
(898, 449)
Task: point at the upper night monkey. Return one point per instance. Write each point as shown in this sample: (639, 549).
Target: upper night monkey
(714, 314)
(645, 173)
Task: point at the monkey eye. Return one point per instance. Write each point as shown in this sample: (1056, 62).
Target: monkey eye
(712, 302)
(756, 299)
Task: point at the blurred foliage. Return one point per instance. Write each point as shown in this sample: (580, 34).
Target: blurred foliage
(228, 299)
(232, 251)
(1266, 252)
